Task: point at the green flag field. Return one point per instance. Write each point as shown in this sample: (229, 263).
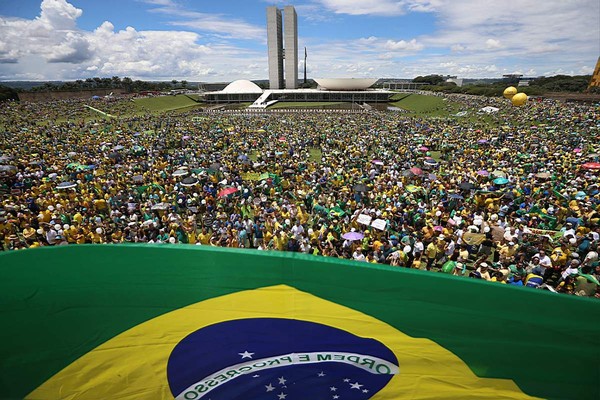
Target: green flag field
(196, 322)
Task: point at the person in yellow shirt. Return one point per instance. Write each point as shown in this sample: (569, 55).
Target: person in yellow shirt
(80, 238)
(78, 217)
(28, 232)
(71, 233)
(47, 214)
(268, 235)
(97, 236)
(190, 230)
(507, 253)
(34, 244)
(204, 237)
(560, 255)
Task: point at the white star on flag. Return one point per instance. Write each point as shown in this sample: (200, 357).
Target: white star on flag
(246, 354)
(333, 388)
(321, 373)
(282, 396)
(365, 391)
(346, 380)
(335, 396)
(270, 387)
(282, 381)
(355, 385)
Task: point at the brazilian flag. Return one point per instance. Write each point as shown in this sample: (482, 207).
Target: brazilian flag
(193, 322)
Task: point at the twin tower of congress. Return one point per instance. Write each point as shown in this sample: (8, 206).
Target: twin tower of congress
(283, 46)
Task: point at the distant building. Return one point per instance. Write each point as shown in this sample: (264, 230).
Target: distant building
(512, 76)
(278, 49)
(402, 84)
(275, 47)
(330, 90)
(290, 28)
(455, 80)
(351, 90)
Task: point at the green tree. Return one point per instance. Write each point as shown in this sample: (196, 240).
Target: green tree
(7, 93)
(429, 79)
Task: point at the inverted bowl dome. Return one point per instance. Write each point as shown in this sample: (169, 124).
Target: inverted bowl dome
(346, 83)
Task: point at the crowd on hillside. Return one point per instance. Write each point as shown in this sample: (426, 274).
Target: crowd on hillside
(511, 197)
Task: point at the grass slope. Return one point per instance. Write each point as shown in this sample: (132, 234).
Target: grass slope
(166, 103)
(420, 103)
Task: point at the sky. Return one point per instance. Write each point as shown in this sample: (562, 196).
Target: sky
(224, 40)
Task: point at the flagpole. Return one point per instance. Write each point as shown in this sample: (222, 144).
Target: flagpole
(305, 66)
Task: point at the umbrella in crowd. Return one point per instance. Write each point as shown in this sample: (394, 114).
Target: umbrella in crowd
(430, 162)
(416, 171)
(466, 186)
(353, 236)
(189, 181)
(180, 172)
(66, 185)
(227, 191)
(591, 165)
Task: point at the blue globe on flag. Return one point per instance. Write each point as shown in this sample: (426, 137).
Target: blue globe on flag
(278, 359)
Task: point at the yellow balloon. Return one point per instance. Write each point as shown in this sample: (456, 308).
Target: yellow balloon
(509, 92)
(519, 99)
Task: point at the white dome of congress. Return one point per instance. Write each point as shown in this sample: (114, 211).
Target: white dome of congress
(242, 86)
(346, 83)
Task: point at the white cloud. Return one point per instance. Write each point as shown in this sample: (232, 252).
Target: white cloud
(365, 7)
(411, 45)
(492, 44)
(220, 25)
(51, 46)
(385, 8)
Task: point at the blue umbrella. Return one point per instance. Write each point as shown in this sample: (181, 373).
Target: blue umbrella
(456, 196)
(500, 181)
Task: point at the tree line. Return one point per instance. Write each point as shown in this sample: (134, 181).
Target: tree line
(115, 82)
(538, 86)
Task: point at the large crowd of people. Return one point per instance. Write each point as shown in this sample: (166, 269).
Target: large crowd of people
(510, 197)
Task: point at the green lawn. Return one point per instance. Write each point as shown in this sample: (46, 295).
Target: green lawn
(399, 96)
(305, 104)
(166, 103)
(420, 103)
